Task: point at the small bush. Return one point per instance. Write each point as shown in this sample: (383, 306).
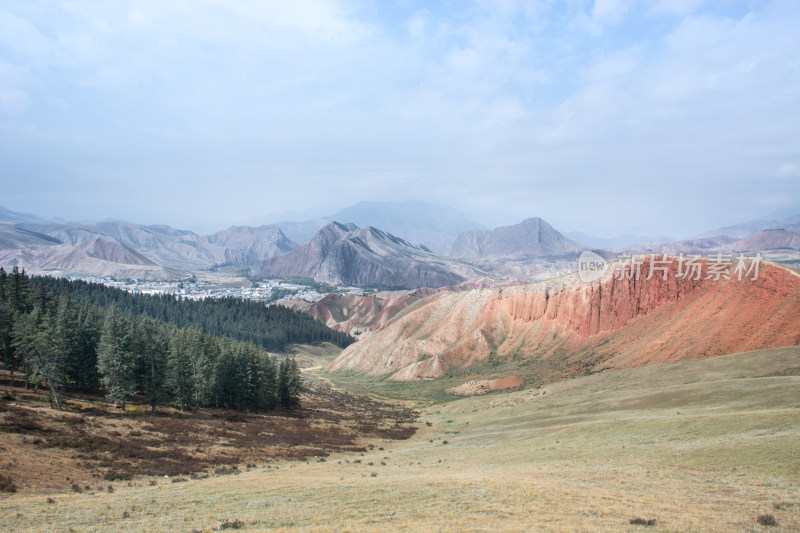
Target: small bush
(179, 480)
(50, 500)
(76, 488)
(642, 522)
(231, 524)
(7, 484)
(114, 476)
(767, 520)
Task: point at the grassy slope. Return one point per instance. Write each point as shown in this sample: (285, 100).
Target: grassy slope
(701, 445)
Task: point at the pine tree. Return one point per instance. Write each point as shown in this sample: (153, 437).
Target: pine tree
(84, 363)
(17, 289)
(203, 352)
(289, 383)
(227, 379)
(180, 382)
(34, 337)
(114, 362)
(7, 351)
(267, 383)
(152, 351)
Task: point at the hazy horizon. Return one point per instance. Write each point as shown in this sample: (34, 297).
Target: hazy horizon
(606, 117)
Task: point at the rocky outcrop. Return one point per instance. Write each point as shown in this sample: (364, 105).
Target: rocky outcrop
(345, 254)
(479, 387)
(564, 327)
(356, 314)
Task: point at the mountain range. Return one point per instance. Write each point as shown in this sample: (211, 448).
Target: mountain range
(748, 229)
(341, 251)
(349, 255)
(434, 226)
(126, 250)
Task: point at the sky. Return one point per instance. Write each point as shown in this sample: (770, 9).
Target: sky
(608, 116)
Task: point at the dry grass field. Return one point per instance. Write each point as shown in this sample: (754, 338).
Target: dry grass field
(706, 445)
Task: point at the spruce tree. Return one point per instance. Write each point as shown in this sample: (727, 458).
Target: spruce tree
(180, 382)
(114, 362)
(151, 349)
(289, 383)
(34, 337)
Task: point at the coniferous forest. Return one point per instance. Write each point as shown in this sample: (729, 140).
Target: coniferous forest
(60, 335)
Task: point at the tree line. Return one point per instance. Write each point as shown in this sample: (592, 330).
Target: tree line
(54, 335)
(272, 327)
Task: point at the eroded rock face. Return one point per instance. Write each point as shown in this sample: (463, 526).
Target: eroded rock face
(568, 328)
(355, 314)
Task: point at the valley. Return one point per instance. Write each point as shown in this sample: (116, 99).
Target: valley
(491, 388)
(707, 445)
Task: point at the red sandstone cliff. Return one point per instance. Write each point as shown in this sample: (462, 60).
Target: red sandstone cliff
(566, 327)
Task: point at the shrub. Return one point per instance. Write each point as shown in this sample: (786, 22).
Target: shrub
(767, 520)
(231, 524)
(642, 522)
(7, 484)
(114, 476)
(226, 471)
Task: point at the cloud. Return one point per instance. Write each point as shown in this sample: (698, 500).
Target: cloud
(491, 105)
(12, 99)
(21, 36)
(788, 170)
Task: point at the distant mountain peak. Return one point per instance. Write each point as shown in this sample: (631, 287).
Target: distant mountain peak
(434, 226)
(346, 254)
(532, 238)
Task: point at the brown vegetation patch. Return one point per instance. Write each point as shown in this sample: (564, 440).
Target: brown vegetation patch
(46, 449)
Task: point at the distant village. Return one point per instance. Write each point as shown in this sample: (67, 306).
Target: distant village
(269, 291)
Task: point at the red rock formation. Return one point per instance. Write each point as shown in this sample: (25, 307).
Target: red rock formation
(568, 327)
(365, 314)
(359, 314)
